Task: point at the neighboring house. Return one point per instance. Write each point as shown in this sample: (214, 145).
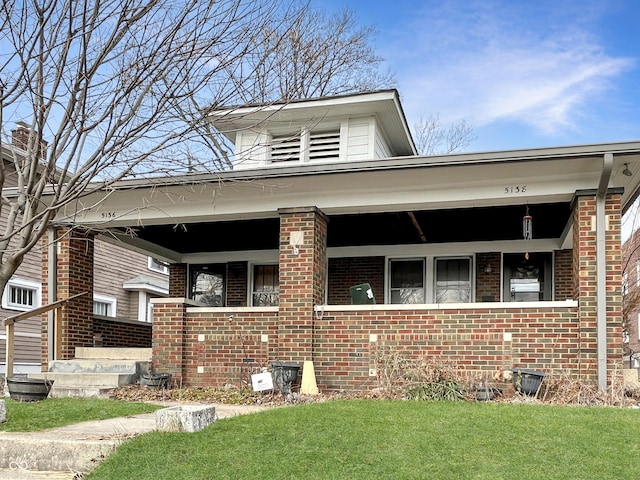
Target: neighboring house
(631, 299)
(493, 260)
(125, 281)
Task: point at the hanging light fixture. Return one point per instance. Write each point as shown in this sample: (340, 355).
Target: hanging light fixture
(527, 229)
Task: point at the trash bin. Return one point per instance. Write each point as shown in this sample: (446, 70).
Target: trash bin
(362, 294)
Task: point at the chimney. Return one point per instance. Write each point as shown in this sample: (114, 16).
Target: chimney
(20, 138)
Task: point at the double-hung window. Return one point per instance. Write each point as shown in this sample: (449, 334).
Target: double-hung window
(104, 305)
(406, 280)
(265, 286)
(453, 280)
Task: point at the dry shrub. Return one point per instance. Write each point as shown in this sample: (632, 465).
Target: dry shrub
(401, 376)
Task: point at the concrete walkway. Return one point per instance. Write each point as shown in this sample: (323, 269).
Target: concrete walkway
(65, 453)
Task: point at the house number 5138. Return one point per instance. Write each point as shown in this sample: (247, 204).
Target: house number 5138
(515, 189)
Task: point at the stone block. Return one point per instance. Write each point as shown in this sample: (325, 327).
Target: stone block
(3, 412)
(185, 418)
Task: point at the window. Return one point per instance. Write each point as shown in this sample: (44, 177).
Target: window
(207, 284)
(625, 283)
(306, 146)
(159, 266)
(453, 280)
(21, 295)
(527, 279)
(265, 285)
(104, 305)
(406, 280)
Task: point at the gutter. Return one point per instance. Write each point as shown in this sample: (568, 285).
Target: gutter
(601, 271)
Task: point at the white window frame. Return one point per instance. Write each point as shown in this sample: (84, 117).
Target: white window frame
(152, 265)
(435, 275)
(389, 288)
(105, 299)
(36, 287)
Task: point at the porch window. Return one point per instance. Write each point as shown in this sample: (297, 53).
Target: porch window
(21, 295)
(207, 284)
(453, 280)
(406, 279)
(265, 285)
(159, 266)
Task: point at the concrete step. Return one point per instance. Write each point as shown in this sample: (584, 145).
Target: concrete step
(99, 365)
(106, 380)
(141, 354)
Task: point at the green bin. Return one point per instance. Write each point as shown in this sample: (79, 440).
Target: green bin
(362, 294)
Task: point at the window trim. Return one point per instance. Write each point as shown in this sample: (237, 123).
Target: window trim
(108, 300)
(24, 284)
(153, 268)
(470, 259)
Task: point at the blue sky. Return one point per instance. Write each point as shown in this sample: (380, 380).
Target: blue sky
(524, 74)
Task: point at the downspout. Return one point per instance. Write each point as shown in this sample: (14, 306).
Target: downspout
(52, 288)
(601, 271)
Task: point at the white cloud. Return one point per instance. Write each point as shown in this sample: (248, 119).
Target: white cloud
(490, 63)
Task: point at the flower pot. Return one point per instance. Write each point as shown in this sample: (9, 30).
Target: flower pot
(155, 380)
(527, 381)
(24, 389)
(284, 375)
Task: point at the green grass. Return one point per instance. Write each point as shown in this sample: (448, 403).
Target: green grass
(360, 439)
(57, 412)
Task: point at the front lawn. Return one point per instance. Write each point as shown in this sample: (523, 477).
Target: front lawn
(58, 412)
(380, 439)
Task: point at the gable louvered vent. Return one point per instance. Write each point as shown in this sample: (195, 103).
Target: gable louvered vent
(324, 145)
(285, 148)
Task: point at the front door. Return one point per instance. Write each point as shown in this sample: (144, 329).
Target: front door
(527, 279)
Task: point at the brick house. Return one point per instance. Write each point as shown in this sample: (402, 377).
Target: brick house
(631, 299)
(494, 260)
(124, 283)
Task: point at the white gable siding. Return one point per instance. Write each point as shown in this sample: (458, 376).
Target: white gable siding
(251, 150)
(381, 146)
(359, 139)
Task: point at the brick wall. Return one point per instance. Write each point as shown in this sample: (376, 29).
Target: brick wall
(118, 334)
(488, 283)
(237, 284)
(563, 271)
(178, 280)
(347, 272)
(75, 276)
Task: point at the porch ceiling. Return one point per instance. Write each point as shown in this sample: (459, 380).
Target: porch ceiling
(395, 228)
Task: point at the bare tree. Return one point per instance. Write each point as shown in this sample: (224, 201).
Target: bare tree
(109, 84)
(432, 138)
(314, 55)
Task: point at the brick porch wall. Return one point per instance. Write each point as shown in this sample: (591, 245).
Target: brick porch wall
(226, 346)
(119, 334)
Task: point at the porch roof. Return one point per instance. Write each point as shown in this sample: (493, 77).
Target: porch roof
(448, 198)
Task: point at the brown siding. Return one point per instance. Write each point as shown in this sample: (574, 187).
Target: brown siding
(113, 266)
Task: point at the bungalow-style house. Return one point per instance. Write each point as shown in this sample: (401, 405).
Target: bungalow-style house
(124, 283)
(331, 237)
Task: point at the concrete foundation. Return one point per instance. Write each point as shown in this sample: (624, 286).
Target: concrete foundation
(185, 418)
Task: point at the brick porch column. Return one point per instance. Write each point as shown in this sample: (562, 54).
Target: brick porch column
(585, 281)
(74, 274)
(302, 279)
(167, 344)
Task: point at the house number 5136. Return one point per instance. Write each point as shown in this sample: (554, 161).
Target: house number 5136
(515, 189)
